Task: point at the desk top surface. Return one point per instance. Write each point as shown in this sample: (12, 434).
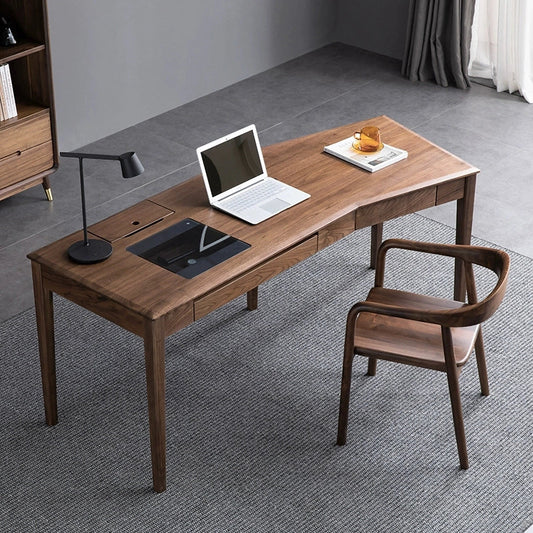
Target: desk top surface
(336, 188)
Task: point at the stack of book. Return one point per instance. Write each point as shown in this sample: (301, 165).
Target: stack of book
(372, 161)
(8, 107)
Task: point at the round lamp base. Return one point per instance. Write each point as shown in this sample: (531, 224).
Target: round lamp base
(93, 252)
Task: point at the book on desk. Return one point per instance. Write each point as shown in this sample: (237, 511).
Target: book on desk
(388, 155)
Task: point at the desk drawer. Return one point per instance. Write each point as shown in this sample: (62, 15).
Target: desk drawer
(336, 230)
(451, 190)
(368, 215)
(255, 277)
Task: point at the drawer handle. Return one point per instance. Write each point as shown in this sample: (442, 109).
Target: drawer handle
(11, 156)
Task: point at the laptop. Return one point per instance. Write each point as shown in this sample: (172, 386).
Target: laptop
(236, 179)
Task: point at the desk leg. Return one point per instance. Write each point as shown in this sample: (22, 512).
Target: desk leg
(251, 299)
(44, 311)
(463, 235)
(154, 354)
(376, 238)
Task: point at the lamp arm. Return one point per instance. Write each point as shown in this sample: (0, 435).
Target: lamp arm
(82, 155)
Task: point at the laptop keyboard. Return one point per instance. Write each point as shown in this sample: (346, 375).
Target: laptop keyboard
(254, 195)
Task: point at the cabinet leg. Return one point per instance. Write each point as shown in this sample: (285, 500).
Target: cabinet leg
(47, 189)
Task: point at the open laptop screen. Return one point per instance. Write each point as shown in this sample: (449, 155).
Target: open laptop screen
(231, 163)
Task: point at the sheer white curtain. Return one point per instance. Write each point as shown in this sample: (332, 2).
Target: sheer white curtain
(502, 45)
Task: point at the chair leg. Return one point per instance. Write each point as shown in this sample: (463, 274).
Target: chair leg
(372, 365)
(457, 412)
(482, 364)
(345, 397)
(455, 397)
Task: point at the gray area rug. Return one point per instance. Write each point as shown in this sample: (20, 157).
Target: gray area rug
(252, 402)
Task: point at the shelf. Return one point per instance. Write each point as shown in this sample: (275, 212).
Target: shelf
(26, 111)
(28, 144)
(23, 49)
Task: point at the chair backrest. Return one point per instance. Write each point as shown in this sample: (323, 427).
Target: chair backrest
(470, 313)
(497, 261)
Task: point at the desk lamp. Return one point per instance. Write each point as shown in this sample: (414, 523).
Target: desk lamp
(91, 251)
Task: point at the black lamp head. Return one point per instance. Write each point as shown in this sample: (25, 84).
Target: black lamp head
(130, 165)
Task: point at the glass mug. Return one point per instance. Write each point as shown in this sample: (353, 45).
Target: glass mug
(368, 139)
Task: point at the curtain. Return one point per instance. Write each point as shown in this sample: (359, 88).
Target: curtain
(502, 45)
(438, 41)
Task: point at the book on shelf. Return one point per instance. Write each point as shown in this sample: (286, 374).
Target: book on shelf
(2, 102)
(3, 97)
(10, 93)
(7, 96)
(373, 161)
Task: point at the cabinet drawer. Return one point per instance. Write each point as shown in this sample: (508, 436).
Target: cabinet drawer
(25, 134)
(255, 277)
(27, 163)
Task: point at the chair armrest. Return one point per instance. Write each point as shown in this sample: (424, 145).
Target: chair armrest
(495, 260)
(445, 317)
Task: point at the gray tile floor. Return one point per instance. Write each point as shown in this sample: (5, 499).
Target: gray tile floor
(334, 85)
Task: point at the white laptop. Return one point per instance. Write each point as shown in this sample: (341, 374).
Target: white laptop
(236, 179)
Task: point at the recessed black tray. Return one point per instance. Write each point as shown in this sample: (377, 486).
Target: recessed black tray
(188, 248)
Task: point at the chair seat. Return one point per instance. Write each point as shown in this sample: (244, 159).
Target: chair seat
(408, 341)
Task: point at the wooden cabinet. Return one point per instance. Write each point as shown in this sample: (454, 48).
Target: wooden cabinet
(28, 146)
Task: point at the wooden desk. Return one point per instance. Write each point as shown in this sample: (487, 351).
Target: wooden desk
(154, 303)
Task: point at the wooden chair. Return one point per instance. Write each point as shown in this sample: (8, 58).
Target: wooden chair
(424, 331)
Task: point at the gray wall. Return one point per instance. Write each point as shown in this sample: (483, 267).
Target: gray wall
(378, 26)
(118, 62)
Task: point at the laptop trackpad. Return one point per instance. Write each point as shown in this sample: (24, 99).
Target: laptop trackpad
(275, 205)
